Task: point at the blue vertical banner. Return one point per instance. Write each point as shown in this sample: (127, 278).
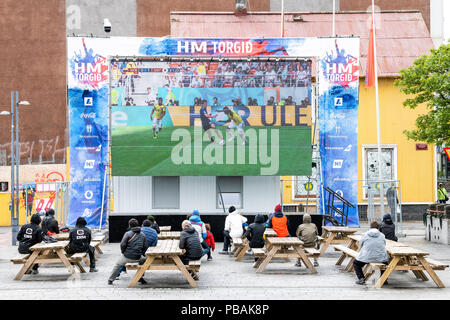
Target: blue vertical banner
(88, 136)
(338, 123)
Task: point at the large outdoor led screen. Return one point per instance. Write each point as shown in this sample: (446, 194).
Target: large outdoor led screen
(210, 117)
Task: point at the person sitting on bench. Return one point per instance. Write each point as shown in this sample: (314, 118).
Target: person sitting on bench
(29, 235)
(80, 240)
(373, 249)
(190, 242)
(308, 233)
(132, 246)
(49, 224)
(255, 233)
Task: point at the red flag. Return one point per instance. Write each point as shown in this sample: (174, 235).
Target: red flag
(370, 66)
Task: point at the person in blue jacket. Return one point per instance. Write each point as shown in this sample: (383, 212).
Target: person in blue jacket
(200, 227)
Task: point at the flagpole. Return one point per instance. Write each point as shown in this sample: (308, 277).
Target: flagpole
(334, 21)
(378, 111)
(282, 18)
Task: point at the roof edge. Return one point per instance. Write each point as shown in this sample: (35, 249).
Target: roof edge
(278, 12)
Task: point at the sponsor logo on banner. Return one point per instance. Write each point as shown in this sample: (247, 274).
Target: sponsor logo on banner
(88, 101)
(89, 69)
(90, 115)
(87, 213)
(89, 164)
(340, 68)
(337, 164)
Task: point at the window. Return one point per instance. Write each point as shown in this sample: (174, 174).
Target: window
(229, 192)
(166, 192)
(388, 164)
(306, 186)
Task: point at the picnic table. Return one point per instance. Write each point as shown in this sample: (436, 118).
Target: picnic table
(401, 257)
(286, 247)
(165, 228)
(242, 245)
(354, 245)
(164, 256)
(335, 235)
(96, 241)
(169, 235)
(55, 252)
(61, 236)
(270, 233)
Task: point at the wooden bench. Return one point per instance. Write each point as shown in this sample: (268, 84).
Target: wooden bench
(259, 252)
(20, 258)
(347, 252)
(237, 244)
(311, 252)
(436, 265)
(194, 266)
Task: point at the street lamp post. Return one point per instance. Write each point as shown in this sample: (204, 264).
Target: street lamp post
(15, 161)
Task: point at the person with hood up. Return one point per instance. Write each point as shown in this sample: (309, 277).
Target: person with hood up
(190, 242)
(200, 227)
(234, 228)
(132, 246)
(79, 241)
(308, 233)
(373, 249)
(255, 233)
(29, 235)
(154, 225)
(388, 228)
(49, 224)
(279, 222)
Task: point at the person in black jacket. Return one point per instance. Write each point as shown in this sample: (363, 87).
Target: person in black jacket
(387, 228)
(132, 246)
(153, 225)
(190, 242)
(79, 241)
(255, 233)
(49, 224)
(29, 235)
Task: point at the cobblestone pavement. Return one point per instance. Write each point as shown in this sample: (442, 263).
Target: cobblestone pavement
(224, 278)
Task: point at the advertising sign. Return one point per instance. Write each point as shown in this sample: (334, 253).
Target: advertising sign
(90, 77)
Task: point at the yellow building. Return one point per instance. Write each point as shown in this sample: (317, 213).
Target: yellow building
(414, 168)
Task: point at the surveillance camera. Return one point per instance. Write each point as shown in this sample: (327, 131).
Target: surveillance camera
(107, 25)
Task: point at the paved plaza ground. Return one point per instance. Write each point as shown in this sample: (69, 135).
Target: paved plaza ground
(223, 278)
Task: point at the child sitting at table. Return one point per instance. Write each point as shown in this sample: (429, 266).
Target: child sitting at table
(307, 232)
(209, 240)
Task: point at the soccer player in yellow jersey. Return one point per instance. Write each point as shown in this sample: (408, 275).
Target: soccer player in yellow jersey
(236, 123)
(159, 111)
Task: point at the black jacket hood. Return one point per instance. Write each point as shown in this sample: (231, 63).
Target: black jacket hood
(259, 218)
(36, 219)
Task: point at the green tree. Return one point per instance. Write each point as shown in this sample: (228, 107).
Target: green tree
(428, 81)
